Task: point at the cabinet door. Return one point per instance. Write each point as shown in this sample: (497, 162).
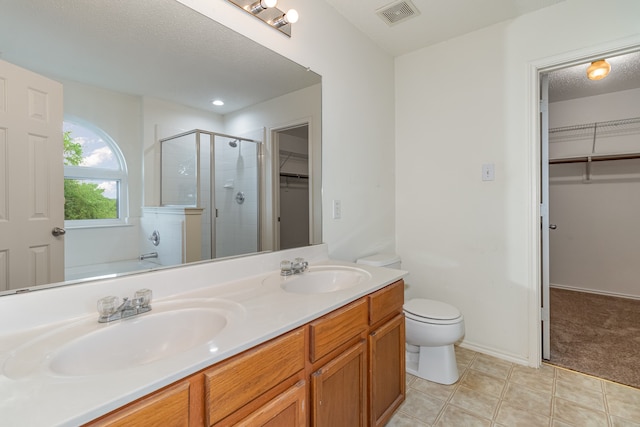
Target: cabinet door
(338, 390)
(169, 407)
(285, 410)
(386, 370)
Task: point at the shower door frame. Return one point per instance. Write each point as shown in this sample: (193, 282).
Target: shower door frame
(213, 213)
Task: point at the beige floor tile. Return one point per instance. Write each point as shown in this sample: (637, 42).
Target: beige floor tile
(421, 406)
(577, 415)
(623, 408)
(454, 416)
(622, 392)
(464, 356)
(546, 371)
(409, 379)
(585, 397)
(439, 391)
(492, 366)
(514, 416)
(476, 402)
(558, 423)
(535, 379)
(581, 380)
(482, 382)
(529, 400)
(621, 422)
(400, 419)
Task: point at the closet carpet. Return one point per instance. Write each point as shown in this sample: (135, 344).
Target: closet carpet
(596, 335)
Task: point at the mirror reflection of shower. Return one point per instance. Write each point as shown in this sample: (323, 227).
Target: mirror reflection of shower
(207, 170)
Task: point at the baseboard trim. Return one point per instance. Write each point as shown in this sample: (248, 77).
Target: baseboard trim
(594, 291)
(500, 355)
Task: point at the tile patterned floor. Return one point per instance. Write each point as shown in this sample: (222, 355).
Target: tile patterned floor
(494, 393)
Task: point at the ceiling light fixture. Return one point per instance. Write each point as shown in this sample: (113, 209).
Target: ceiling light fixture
(267, 12)
(598, 70)
(218, 102)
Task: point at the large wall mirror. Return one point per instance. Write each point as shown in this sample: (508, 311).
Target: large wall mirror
(181, 180)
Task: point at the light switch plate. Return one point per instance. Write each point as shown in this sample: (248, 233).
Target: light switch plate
(488, 172)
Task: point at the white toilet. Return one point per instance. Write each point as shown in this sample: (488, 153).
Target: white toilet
(432, 328)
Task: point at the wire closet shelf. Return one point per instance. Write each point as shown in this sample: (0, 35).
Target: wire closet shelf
(593, 131)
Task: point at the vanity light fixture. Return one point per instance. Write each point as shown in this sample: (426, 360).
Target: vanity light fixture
(267, 12)
(598, 70)
(261, 5)
(291, 17)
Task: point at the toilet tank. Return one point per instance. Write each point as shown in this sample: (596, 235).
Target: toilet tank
(388, 260)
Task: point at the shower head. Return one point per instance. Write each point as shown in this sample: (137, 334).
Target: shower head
(233, 143)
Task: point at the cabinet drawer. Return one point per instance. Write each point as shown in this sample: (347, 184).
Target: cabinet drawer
(386, 302)
(168, 407)
(337, 328)
(235, 383)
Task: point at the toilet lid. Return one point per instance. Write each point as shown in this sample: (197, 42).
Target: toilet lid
(431, 309)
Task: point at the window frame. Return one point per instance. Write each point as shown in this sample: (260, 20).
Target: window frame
(95, 173)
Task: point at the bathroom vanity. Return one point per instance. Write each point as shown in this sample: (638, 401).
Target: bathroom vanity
(323, 348)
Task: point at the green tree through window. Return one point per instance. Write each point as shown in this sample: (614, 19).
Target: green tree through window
(84, 190)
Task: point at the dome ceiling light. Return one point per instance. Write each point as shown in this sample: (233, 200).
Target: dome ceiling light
(598, 70)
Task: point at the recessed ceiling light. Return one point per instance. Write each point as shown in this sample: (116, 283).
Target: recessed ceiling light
(217, 102)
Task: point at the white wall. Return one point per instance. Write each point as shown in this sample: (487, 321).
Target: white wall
(357, 117)
(595, 247)
(472, 243)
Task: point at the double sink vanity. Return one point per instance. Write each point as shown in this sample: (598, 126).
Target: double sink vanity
(233, 342)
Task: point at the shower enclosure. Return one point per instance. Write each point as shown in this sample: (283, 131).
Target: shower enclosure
(220, 174)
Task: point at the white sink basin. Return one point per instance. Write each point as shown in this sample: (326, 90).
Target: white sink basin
(321, 279)
(91, 348)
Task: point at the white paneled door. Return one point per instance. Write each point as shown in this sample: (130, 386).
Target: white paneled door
(31, 179)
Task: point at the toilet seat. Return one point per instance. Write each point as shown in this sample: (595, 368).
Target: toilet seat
(431, 311)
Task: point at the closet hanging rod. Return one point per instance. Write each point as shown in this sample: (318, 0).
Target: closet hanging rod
(595, 158)
(294, 175)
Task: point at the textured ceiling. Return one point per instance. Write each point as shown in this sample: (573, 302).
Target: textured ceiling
(159, 48)
(570, 83)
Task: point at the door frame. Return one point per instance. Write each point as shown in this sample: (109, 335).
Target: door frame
(274, 133)
(536, 69)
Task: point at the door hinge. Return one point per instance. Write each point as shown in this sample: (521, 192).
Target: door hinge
(544, 314)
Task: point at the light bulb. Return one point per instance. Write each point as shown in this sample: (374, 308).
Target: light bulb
(292, 16)
(261, 5)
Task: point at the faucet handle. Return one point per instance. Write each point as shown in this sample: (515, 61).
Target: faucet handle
(286, 268)
(143, 296)
(300, 264)
(107, 305)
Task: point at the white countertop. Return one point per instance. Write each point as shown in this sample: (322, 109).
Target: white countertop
(40, 397)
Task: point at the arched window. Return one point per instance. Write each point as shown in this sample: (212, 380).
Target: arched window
(95, 177)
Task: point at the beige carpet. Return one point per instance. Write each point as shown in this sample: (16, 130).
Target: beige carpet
(596, 335)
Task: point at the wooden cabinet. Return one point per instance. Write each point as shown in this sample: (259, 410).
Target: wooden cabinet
(338, 354)
(236, 386)
(339, 392)
(347, 367)
(168, 407)
(285, 410)
(386, 370)
(386, 353)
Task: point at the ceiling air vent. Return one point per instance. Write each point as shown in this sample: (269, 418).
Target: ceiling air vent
(397, 12)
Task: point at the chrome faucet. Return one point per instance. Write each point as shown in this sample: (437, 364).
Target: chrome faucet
(109, 310)
(298, 266)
